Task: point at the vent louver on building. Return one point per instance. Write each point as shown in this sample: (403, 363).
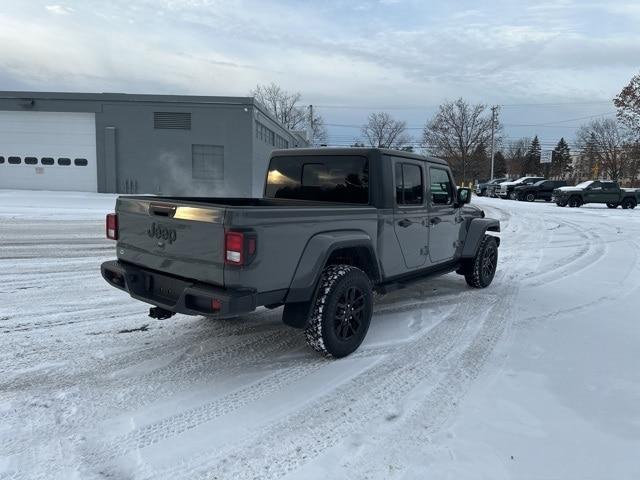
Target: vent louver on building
(172, 120)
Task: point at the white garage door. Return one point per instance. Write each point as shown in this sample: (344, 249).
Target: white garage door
(48, 151)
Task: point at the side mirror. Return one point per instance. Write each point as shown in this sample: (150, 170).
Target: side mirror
(463, 196)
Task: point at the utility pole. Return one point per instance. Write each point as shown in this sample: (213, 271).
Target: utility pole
(494, 110)
(311, 124)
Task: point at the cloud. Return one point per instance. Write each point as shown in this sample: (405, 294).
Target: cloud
(58, 9)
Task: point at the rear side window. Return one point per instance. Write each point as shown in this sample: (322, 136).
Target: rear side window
(323, 178)
(441, 186)
(409, 184)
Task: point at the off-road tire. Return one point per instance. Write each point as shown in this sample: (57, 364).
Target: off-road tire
(574, 202)
(530, 197)
(324, 330)
(628, 203)
(478, 273)
(612, 205)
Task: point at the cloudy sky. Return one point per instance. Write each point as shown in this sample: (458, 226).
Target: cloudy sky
(346, 57)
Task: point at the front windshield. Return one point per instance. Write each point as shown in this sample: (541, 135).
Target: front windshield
(584, 184)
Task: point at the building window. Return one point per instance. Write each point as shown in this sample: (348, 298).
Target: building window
(265, 134)
(281, 142)
(65, 162)
(47, 161)
(208, 162)
(14, 160)
(30, 160)
(80, 162)
(172, 120)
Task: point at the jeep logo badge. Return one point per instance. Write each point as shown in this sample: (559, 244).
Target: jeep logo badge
(161, 232)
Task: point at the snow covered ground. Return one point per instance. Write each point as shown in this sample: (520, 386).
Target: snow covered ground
(536, 377)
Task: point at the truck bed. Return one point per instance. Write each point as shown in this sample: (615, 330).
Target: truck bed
(185, 236)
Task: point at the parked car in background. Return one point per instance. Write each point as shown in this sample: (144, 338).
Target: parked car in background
(542, 190)
(506, 189)
(595, 191)
(482, 189)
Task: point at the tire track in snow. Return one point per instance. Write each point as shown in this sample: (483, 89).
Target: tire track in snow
(365, 395)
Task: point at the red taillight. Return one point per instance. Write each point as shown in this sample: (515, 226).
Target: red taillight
(216, 305)
(112, 226)
(234, 248)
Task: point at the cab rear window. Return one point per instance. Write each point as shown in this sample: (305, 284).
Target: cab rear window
(343, 179)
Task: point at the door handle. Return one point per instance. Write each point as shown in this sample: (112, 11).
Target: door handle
(405, 222)
(435, 220)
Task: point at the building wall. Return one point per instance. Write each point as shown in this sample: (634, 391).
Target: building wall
(161, 160)
(220, 154)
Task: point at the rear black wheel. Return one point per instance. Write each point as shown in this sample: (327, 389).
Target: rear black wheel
(628, 203)
(480, 271)
(342, 311)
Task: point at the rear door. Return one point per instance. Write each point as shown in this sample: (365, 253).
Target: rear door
(444, 231)
(410, 212)
(177, 238)
(610, 192)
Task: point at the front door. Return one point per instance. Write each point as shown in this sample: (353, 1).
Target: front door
(593, 193)
(444, 221)
(410, 215)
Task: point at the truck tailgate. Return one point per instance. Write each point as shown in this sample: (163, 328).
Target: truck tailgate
(172, 237)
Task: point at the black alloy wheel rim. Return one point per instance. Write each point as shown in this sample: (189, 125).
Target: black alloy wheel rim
(349, 313)
(489, 262)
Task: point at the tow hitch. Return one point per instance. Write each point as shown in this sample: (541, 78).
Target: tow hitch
(160, 313)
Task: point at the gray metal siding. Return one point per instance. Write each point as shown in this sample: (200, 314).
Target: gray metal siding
(135, 156)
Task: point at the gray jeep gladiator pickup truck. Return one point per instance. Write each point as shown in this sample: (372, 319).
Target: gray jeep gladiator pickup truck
(334, 226)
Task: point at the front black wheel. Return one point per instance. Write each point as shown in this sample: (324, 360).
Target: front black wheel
(480, 271)
(342, 311)
(575, 202)
(612, 205)
(530, 197)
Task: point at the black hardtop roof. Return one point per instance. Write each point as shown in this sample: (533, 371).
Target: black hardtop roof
(367, 151)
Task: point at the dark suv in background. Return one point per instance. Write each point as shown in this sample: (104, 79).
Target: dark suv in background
(486, 188)
(542, 190)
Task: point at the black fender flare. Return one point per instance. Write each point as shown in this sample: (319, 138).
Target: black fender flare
(319, 248)
(475, 233)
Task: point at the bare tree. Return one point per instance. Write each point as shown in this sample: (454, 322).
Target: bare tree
(456, 131)
(628, 105)
(607, 140)
(517, 156)
(381, 130)
(284, 106)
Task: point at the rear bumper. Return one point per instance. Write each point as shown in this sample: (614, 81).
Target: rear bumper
(176, 294)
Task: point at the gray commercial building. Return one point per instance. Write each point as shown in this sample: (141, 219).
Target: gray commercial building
(121, 143)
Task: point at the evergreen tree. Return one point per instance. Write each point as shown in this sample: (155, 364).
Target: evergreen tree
(561, 163)
(531, 164)
(479, 164)
(499, 165)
